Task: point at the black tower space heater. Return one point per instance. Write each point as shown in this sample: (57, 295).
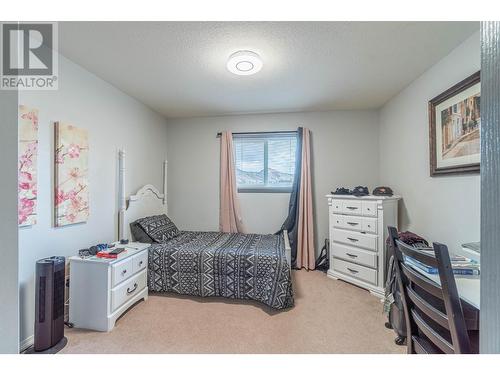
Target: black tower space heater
(49, 304)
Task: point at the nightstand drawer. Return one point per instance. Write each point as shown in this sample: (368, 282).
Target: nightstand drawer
(127, 290)
(121, 271)
(359, 272)
(140, 261)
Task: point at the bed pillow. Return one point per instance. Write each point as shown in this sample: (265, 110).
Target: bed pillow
(160, 228)
(138, 234)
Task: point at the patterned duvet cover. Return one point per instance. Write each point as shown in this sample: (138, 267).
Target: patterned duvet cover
(231, 265)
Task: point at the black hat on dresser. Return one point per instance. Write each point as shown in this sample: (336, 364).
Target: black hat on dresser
(341, 191)
(383, 191)
(360, 191)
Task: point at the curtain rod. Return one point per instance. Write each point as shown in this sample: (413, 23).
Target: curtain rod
(250, 133)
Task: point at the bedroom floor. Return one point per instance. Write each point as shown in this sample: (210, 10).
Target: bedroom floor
(329, 316)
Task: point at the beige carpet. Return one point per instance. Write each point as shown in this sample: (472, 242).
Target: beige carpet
(329, 317)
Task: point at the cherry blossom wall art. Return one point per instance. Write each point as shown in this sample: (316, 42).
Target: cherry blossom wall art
(27, 165)
(71, 201)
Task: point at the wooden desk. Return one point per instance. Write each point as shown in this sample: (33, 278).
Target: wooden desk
(469, 291)
(468, 287)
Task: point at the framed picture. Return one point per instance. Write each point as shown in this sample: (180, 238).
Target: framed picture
(454, 128)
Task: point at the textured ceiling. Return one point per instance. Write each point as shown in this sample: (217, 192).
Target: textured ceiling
(179, 68)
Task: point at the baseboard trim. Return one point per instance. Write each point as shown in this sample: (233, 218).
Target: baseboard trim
(26, 343)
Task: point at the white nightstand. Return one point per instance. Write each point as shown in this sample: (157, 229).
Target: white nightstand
(100, 290)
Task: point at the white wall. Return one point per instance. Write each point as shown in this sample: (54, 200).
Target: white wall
(344, 153)
(444, 209)
(9, 296)
(114, 120)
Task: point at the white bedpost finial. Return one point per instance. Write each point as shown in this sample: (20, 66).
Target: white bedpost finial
(122, 201)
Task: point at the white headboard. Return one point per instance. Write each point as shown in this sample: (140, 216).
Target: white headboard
(147, 201)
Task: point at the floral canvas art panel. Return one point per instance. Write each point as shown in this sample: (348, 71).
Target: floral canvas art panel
(27, 165)
(71, 200)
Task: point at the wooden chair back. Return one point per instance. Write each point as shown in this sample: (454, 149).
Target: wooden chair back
(434, 317)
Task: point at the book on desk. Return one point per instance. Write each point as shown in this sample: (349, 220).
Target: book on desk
(460, 265)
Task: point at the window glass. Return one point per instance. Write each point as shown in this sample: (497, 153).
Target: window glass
(265, 161)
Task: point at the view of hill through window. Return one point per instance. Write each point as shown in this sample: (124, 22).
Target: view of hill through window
(265, 160)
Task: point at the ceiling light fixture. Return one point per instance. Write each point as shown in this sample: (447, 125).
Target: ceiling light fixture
(244, 63)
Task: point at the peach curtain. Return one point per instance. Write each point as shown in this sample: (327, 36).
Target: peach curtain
(305, 227)
(230, 213)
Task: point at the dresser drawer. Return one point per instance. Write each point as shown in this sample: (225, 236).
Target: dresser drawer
(348, 222)
(337, 221)
(337, 205)
(369, 208)
(367, 241)
(369, 225)
(352, 207)
(140, 261)
(357, 223)
(355, 270)
(364, 257)
(127, 290)
(121, 271)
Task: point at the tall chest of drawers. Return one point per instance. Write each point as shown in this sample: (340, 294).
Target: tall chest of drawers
(358, 232)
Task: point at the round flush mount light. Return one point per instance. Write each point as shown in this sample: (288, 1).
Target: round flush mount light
(244, 63)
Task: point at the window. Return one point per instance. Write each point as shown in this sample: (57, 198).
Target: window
(265, 162)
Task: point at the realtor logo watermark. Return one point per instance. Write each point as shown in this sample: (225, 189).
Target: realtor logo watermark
(28, 60)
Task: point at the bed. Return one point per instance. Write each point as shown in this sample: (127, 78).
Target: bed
(210, 264)
(231, 265)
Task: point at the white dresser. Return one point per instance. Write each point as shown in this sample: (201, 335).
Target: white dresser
(100, 290)
(358, 231)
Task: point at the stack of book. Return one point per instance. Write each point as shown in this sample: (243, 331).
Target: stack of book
(111, 254)
(460, 265)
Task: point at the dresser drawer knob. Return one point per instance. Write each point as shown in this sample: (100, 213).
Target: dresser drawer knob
(140, 263)
(352, 239)
(351, 255)
(124, 272)
(352, 271)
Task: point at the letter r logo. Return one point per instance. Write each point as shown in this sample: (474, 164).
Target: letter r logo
(27, 49)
